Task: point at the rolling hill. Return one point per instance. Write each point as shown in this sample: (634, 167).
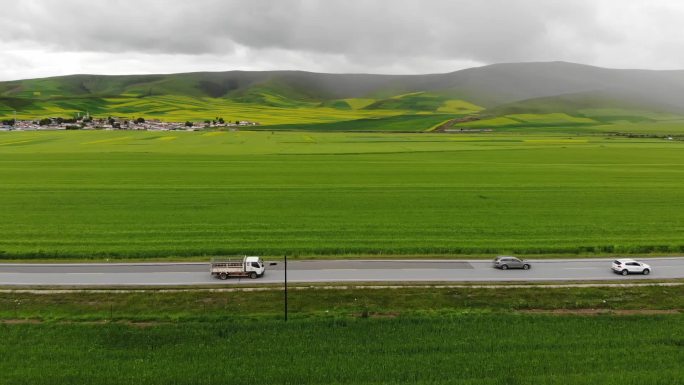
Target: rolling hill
(304, 98)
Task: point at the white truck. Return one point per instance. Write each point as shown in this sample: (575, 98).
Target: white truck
(248, 266)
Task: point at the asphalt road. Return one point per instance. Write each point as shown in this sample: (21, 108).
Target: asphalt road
(164, 274)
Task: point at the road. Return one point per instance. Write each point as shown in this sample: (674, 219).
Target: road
(167, 274)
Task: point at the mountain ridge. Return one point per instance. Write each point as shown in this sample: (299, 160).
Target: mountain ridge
(497, 88)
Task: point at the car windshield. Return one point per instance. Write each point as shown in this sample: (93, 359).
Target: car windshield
(617, 262)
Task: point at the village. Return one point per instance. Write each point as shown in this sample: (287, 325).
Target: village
(88, 122)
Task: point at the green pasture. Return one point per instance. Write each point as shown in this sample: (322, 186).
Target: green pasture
(97, 194)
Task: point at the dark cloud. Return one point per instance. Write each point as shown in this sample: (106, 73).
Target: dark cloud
(481, 30)
(348, 35)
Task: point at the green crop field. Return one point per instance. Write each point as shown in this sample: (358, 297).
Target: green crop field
(96, 194)
(345, 336)
(464, 349)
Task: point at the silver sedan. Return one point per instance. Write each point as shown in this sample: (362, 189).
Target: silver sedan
(505, 262)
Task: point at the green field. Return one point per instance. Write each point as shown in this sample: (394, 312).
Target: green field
(460, 349)
(99, 194)
(350, 336)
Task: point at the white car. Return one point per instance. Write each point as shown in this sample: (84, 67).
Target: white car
(630, 266)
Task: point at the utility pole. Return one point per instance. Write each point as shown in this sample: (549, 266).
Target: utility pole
(286, 288)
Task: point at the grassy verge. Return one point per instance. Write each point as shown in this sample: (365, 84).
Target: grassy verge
(160, 305)
(356, 336)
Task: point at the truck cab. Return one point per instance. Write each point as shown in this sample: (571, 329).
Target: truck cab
(255, 264)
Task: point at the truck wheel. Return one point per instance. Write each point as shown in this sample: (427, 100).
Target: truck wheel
(223, 276)
(252, 275)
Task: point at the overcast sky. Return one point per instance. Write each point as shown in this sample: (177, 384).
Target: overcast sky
(54, 37)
